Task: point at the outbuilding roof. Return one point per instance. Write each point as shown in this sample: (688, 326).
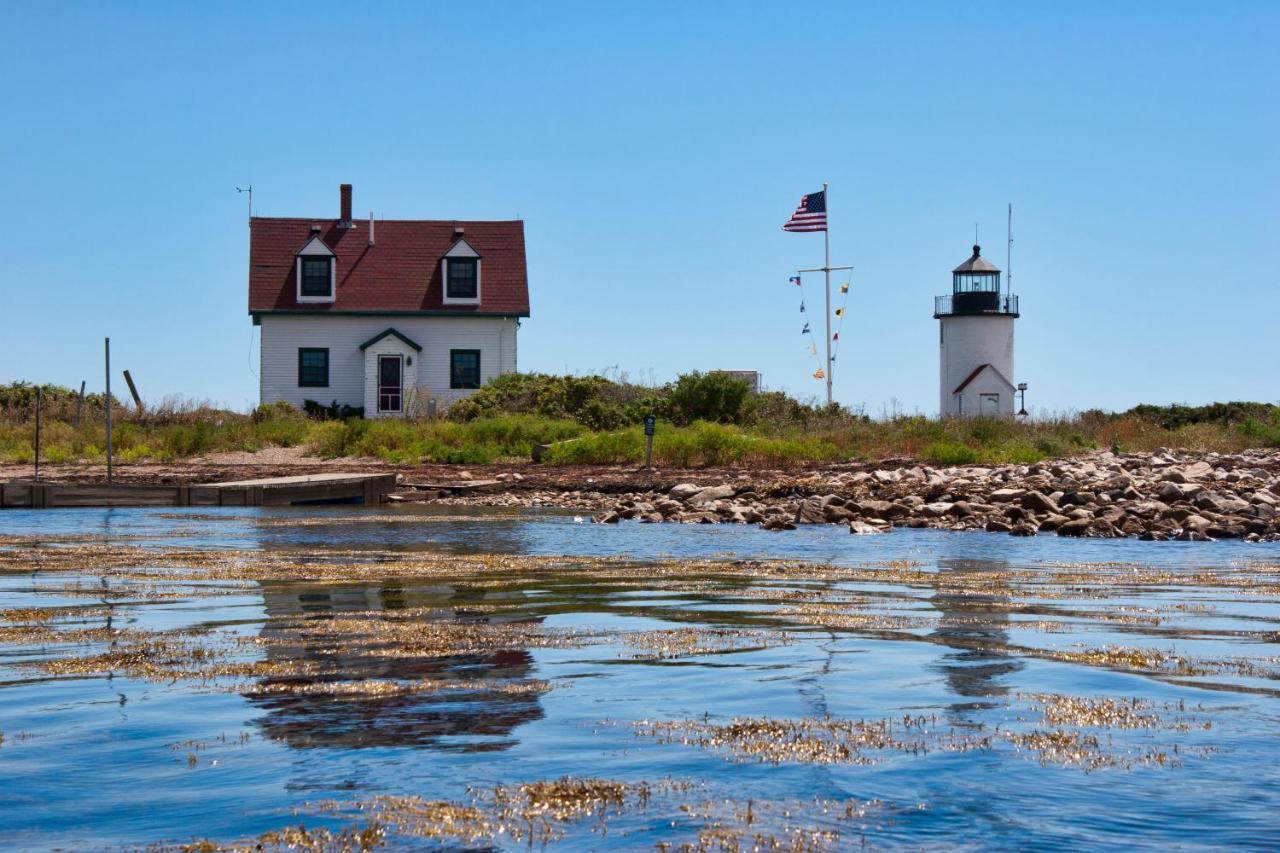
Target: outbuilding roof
(399, 273)
(977, 263)
(977, 371)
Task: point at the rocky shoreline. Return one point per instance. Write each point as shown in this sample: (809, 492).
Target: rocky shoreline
(1168, 495)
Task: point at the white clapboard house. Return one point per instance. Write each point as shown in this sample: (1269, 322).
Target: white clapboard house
(396, 316)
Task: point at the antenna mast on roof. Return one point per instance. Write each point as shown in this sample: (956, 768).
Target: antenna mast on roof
(248, 190)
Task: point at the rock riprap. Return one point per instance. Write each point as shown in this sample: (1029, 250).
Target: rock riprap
(1154, 496)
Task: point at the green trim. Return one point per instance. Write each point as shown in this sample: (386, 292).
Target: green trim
(321, 312)
(382, 335)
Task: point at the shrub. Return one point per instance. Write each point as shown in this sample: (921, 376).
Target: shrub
(949, 453)
(708, 397)
(335, 411)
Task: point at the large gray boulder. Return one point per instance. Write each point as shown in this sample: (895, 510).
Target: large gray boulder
(1039, 502)
(712, 493)
(684, 491)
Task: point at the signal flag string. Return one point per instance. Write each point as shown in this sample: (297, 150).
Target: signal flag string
(806, 330)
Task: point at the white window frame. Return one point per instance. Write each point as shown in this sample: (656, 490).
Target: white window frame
(316, 248)
(461, 249)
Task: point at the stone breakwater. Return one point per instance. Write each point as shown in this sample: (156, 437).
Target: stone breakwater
(1165, 495)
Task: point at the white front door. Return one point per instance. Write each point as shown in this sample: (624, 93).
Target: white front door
(390, 384)
(990, 405)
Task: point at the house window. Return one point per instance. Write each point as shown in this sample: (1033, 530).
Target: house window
(313, 367)
(462, 283)
(317, 279)
(464, 368)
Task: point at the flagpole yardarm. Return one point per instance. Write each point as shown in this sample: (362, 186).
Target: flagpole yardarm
(811, 215)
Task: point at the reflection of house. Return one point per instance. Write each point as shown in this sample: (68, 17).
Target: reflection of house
(458, 720)
(975, 625)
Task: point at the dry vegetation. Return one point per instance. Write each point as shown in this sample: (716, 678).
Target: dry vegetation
(703, 423)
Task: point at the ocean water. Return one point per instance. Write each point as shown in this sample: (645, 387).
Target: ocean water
(1040, 693)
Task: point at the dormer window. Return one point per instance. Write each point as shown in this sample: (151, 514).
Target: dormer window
(461, 272)
(317, 277)
(462, 278)
(315, 271)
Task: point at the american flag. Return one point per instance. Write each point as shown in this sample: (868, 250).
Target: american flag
(810, 215)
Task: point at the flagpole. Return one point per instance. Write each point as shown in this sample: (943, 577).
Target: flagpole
(826, 269)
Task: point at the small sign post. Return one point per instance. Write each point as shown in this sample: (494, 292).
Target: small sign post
(650, 422)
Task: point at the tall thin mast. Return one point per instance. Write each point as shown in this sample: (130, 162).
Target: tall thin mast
(826, 269)
(1008, 256)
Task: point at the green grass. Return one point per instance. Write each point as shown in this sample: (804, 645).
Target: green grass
(780, 433)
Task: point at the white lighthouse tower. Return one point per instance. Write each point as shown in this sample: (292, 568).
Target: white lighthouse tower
(975, 342)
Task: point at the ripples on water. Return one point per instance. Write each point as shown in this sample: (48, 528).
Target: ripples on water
(706, 687)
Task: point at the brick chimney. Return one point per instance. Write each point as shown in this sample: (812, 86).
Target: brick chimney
(345, 220)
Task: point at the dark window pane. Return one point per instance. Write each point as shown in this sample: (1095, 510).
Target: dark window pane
(316, 280)
(313, 368)
(462, 278)
(464, 368)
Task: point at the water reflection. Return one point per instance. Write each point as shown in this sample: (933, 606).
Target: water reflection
(462, 720)
(975, 624)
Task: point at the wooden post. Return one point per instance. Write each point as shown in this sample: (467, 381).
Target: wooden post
(137, 401)
(80, 404)
(38, 396)
(107, 400)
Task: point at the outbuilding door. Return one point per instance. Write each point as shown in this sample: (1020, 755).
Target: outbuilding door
(390, 385)
(990, 405)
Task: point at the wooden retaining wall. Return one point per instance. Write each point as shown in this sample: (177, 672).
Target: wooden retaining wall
(369, 489)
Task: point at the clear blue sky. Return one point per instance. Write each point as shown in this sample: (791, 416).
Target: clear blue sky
(653, 151)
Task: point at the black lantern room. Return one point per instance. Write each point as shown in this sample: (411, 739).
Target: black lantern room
(975, 289)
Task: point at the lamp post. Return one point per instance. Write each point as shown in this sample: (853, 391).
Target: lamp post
(1022, 390)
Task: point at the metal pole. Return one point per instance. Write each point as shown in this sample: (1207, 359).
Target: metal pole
(38, 395)
(826, 269)
(107, 346)
(1008, 256)
(80, 404)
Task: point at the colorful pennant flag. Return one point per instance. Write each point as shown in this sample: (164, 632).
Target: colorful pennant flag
(795, 279)
(839, 312)
(805, 330)
(844, 288)
(818, 374)
(801, 307)
(836, 336)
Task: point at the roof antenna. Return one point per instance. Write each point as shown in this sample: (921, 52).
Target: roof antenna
(248, 190)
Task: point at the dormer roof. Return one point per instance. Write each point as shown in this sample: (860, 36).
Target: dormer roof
(315, 246)
(976, 263)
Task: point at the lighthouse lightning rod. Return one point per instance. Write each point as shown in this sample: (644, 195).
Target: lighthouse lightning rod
(1008, 256)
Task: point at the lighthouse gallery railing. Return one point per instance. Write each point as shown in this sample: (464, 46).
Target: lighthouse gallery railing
(984, 302)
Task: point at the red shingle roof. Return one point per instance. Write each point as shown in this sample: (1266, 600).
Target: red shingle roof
(400, 273)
